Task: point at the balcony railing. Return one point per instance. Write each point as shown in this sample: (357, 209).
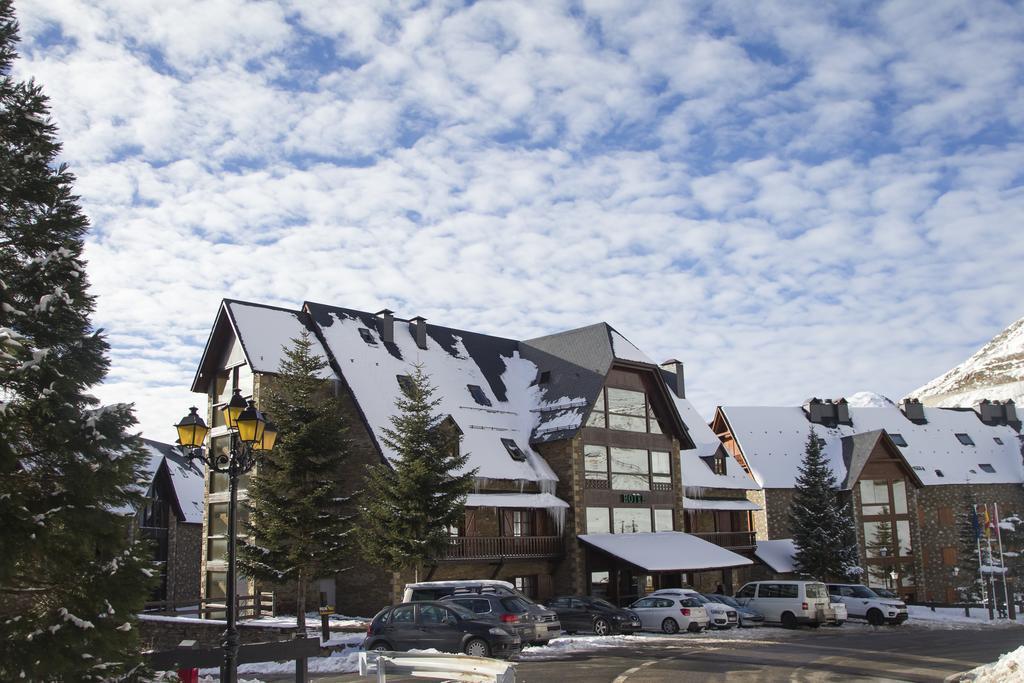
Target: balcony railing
(729, 539)
(504, 547)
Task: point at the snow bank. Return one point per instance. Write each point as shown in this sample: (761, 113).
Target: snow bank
(953, 618)
(1009, 667)
(339, 662)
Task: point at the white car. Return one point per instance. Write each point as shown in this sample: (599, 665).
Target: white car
(670, 613)
(719, 616)
(863, 603)
(789, 603)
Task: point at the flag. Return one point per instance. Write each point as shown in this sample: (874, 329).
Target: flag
(974, 521)
(988, 523)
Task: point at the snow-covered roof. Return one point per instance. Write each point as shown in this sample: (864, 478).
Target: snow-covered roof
(455, 360)
(266, 331)
(186, 478)
(718, 504)
(696, 471)
(626, 350)
(664, 551)
(777, 554)
(515, 500)
(772, 440)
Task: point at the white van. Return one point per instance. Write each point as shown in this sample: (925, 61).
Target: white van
(789, 603)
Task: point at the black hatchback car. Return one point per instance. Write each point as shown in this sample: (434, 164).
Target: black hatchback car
(583, 613)
(444, 627)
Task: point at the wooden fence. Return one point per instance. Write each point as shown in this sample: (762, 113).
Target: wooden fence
(249, 607)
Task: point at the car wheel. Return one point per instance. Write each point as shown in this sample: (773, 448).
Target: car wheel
(602, 627)
(476, 647)
(875, 617)
(379, 646)
(789, 620)
(670, 626)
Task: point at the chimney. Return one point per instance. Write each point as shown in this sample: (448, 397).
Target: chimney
(818, 411)
(676, 367)
(420, 327)
(843, 412)
(913, 410)
(990, 412)
(1010, 410)
(387, 325)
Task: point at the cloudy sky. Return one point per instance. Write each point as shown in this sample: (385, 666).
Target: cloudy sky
(793, 199)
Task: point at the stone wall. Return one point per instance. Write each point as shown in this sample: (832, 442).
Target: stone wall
(156, 633)
(184, 558)
(760, 516)
(776, 513)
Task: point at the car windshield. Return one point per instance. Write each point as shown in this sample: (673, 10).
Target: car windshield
(602, 603)
(701, 599)
(817, 590)
(689, 602)
(726, 600)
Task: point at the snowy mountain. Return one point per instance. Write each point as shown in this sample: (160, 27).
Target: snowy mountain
(996, 371)
(869, 399)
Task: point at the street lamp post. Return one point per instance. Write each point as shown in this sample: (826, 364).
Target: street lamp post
(250, 433)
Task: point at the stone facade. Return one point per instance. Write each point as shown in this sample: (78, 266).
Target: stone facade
(184, 559)
(774, 517)
(158, 634)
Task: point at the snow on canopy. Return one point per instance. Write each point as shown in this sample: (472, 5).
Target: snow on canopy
(665, 551)
(266, 331)
(696, 471)
(186, 478)
(454, 360)
(718, 504)
(515, 500)
(778, 554)
(772, 440)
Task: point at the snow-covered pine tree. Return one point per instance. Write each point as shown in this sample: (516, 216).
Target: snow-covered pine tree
(820, 521)
(299, 507)
(410, 504)
(70, 579)
(969, 579)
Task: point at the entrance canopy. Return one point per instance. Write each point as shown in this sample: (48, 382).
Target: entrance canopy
(514, 500)
(665, 551)
(718, 504)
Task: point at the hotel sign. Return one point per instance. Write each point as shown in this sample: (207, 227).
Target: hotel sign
(632, 498)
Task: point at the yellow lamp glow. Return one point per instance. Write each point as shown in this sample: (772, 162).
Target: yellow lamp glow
(192, 430)
(269, 437)
(250, 424)
(234, 408)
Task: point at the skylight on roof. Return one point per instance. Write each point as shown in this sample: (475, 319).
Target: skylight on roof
(514, 450)
(985, 467)
(405, 381)
(898, 440)
(997, 440)
(367, 337)
(965, 439)
(478, 395)
(919, 468)
(938, 473)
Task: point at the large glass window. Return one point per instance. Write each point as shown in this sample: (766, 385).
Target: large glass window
(630, 469)
(874, 497)
(631, 520)
(597, 521)
(661, 470)
(595, 462)
(596, 418)
(899, 497)
(625, 410)
(903, 536)
(663, 520)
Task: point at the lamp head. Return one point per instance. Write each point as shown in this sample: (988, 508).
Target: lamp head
(250, 424)
(234, 408)
(191, 429)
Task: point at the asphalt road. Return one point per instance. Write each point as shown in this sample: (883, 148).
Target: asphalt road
(849, 653)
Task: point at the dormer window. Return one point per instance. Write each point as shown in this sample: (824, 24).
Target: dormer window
(405, 382)
(965, 439)
(624, 410)
(367, 337)
(985, 467)
(543, 377)
(478, 395)
(514, 450)
(898, 440)
(938, 473)
(997, 440)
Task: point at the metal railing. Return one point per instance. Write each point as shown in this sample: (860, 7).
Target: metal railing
(729, 539)
(497, 547)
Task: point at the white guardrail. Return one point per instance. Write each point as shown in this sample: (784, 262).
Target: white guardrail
(438, 666)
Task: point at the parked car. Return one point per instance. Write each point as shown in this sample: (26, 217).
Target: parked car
(865, 603)
(534, 624)
(444, 627)
(670, 613)
(435, 590)
(788, 602)
(719, 616)
(746, 617)
(584, 613)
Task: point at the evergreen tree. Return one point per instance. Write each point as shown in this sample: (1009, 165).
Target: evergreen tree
(299, 522)
(969, 579)
(820, 521)
(70, 579)
(411, 502)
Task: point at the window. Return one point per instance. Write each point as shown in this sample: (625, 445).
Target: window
(367, 337)
(874, 497)
(514, 450)
(631, 520)
(630, 469)
(997, 440)
(903, 536)
(403, 615)
(216, 585)
(918, 468)
(985, 467)
(778, 590)
(478, 395)
(598, 583)
(938, 473)
(405, 382)
(946, 516)
(475, 605)
(645, 603)
(949, 556)
(747, 591)
(624, 410)
(433, 614)
(598, 521)
(543, 377)
(898, 440)
(595, 462)
(663, 520)
(527, 585)
(965, 439)
(661, 471)
(899, 497)
(519, 523)
(596, 418)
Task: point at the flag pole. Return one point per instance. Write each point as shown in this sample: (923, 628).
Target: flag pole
(1002, 562)
(977, 542)
(991, 564)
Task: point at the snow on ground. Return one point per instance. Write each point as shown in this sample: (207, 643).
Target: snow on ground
(1009, 667)
(342, 662)
(338, 622)
(953, 618)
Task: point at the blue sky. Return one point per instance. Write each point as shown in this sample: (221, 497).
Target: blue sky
(793, 198)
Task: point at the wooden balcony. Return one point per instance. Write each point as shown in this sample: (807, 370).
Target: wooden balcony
(730, 539)
(504, 547)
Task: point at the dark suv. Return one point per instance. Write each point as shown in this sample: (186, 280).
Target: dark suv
(583, 613)
(534, 623)
(442, 626)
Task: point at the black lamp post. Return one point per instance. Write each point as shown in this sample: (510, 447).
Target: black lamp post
(250, 434)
